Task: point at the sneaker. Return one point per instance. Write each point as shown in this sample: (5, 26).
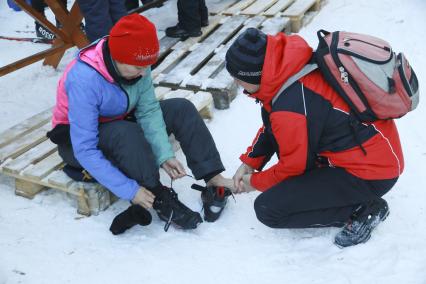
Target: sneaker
(179, 32)
(171, 210)
(214, 200)
(362, 223)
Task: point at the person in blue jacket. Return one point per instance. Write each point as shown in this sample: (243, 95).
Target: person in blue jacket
(108, 122)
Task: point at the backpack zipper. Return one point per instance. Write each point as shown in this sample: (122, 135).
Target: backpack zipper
(345, 40)
(352, 53)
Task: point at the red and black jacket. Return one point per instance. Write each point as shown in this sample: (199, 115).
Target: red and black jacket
(309, 122)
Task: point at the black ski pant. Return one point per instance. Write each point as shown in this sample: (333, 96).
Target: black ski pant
(124, 144)
(319, 198)
(191, 13)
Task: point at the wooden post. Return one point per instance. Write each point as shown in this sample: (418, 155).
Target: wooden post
(83, 203)
(27, 189)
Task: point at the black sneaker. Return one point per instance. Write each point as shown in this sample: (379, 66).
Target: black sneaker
(362, 223)
(171, 210)
(214, 200)
(179, 32)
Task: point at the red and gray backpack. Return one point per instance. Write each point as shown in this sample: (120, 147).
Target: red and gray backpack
(376, 82)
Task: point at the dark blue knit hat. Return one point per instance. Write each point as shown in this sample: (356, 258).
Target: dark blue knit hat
(245, 57)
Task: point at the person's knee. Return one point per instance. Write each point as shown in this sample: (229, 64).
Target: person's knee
(268, 215)
(263, 211)
(184, 106)
(121, 134)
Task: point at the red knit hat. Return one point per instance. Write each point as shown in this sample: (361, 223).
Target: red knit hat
(133, 40)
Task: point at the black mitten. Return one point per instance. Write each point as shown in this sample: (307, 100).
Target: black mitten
(133, 215)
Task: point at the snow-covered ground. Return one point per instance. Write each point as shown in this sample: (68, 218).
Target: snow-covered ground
(45, 241)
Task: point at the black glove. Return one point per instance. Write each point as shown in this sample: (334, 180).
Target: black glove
(133, 215)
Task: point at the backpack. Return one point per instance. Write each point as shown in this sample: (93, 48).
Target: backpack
(374, 81)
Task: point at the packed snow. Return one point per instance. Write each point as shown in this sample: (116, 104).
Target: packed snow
(44, 240)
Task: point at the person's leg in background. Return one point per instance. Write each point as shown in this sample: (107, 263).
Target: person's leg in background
(41, 31)
(100, 16)
(132, 4)
(189, 20)
(204, 14)
(117, 10)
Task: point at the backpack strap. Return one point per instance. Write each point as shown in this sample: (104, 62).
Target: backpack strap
(308, 68)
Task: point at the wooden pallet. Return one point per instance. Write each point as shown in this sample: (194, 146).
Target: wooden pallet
(33, 161)
(296, 10)
(199, 66)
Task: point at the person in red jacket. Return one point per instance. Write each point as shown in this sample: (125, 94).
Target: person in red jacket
(332, 170)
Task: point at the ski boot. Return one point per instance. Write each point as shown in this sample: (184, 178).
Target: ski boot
(214, 200)
(362, 222)
(171, 210)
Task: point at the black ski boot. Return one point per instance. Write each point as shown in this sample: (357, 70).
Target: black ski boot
(214, 200)
(362, 223)
(44, 33)
(133, 215)
(171, 210)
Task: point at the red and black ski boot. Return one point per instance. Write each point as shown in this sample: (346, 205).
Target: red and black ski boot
(214, 200)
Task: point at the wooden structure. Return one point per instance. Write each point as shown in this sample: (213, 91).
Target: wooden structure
(198, 64)
(68, 36)
(296, 10)
(33, 161)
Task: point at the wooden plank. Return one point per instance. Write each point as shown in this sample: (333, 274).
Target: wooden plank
(273, 26)
(32, 156)
(217, 6)
(60, 180)
(160, 92)
(296, 11)
(166, 43)
(22, 144)
(27, 189)
(204, 50)
(236, 9)
(182, 48)
(24, 127)
(201, 100)
(44, 167)
(309, 16)
(299, 7)
(184, 94)
(258, 7)
(216, 63)
(34, 58)
(279, 6)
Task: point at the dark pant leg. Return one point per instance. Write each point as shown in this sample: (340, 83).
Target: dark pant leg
(132, 4)
(97, 17)
(124, 144)
(321, 197)
(183, 120)
(117, 10)
(39, 6)
(204, 13)
(189, 14)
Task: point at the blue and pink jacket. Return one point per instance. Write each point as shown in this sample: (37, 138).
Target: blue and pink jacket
(87, 95)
